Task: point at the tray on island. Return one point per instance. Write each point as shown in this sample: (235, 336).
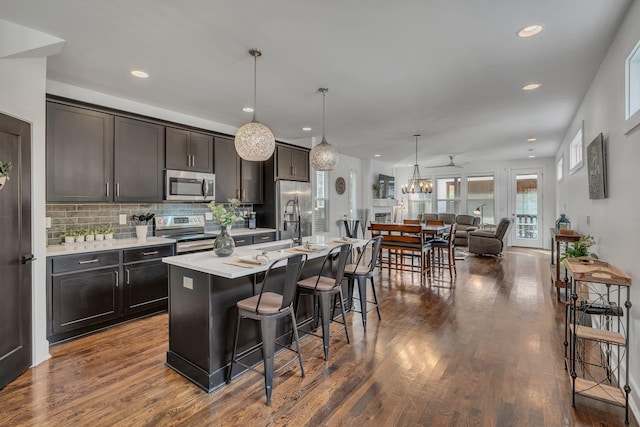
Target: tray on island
(587, 269)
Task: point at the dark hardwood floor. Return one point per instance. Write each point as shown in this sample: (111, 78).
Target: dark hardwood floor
(485, 350)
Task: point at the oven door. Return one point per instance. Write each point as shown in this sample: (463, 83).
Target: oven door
(190, 246)
(189, 186)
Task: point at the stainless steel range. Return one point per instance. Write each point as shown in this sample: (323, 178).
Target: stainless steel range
(188, 230)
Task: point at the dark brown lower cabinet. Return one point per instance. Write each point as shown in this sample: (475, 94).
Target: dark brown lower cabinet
(146, 279)
(91, 291)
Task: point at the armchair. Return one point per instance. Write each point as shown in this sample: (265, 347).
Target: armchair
(489, 242)
(465, 224)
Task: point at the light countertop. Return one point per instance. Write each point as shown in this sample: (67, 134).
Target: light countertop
(208, 262)
(234, 232)
(105, 245)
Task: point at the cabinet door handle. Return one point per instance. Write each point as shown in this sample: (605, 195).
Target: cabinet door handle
(240, 240)
(265, 237)
(127, 270)
(291, 169)
(188, 160)
(193, 160)
(150, 253)
(117, 279)
(107, 189)
(237, 193)
(244, 194)
(90, 261)
(117, 189)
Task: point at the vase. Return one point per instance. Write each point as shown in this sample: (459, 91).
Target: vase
(141, 232)
(224, 244)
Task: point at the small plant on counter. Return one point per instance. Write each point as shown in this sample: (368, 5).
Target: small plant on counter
(98, 233)
(108, 232)
(225, 216)
(67, 236)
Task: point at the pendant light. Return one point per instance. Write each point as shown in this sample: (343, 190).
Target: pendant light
(324, 156)
(254, 141)
(416, 182)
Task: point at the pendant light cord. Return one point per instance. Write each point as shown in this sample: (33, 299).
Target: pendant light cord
(323, 93)
(255, 85)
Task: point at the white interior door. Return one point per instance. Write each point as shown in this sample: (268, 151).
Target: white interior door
(525, 194)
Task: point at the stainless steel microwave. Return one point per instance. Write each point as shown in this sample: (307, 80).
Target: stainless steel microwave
(189, 186)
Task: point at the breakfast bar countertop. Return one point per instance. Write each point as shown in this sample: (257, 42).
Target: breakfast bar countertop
(208, 262)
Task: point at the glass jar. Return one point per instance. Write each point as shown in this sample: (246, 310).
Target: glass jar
(224, 244)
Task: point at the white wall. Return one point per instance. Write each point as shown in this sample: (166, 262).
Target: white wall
(339, 203)
(617, 237)
(22, 95)
(501, 172)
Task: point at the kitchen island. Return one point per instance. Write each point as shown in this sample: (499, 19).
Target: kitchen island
(203, 292)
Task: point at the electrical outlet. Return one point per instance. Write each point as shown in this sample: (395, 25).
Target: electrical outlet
(48, 221)
(208, 216)
(588, 219)
(123, 219)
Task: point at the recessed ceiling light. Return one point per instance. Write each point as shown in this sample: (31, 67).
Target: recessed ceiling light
(532, 86)
(247, 109)
(376, 155)
(306, 128)
(531, 156)
(529, 31)
(139, 74)
(531, 139)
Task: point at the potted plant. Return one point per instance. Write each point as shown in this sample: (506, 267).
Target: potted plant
(91, 235)
(5, 167)
(226, 217)
(80, 234)
(67, 236)
(580, 248)
(108, 232)
(376, 190)
(98, 233)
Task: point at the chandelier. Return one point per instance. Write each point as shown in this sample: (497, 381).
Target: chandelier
(254, 141)
(416, 183)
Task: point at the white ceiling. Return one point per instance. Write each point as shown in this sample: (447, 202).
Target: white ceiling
(449, 70)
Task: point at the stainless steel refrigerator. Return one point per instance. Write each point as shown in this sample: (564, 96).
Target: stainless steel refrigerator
(293, 209)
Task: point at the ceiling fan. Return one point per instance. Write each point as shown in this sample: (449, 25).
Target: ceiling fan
(451, 164)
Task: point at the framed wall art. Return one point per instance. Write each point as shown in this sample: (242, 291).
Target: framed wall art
(597, 168)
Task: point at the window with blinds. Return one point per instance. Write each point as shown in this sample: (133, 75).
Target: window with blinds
(321, 203)
(480, 198)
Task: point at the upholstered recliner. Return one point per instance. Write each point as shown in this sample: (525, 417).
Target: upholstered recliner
(465, 224)
(489, 242)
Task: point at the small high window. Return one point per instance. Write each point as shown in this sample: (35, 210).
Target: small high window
(632, 98)
(575, 152)
(559, 169)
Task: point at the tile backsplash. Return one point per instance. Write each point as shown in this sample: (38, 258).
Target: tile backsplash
(66, 217)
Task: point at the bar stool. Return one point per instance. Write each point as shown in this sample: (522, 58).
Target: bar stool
(361, 272)
(267, 308)
(323, 288)
(437, 248)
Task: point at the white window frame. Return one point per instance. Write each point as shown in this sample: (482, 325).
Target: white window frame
(457, 201)
(325, 198)
(473, 203)
(576, 150)
(632, 89)
(560, 169)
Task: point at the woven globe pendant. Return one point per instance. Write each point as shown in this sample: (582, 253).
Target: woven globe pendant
(254, 142)
(324, 156)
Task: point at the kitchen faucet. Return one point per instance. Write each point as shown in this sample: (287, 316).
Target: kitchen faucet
(295, 215)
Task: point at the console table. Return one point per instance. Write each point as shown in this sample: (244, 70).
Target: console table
(556, 239)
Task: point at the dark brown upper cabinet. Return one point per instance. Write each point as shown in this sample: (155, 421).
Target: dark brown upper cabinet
(139, 156)
(188, 150)
(235, 177)
(292, 163)
(79, 155)
(95, 157)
